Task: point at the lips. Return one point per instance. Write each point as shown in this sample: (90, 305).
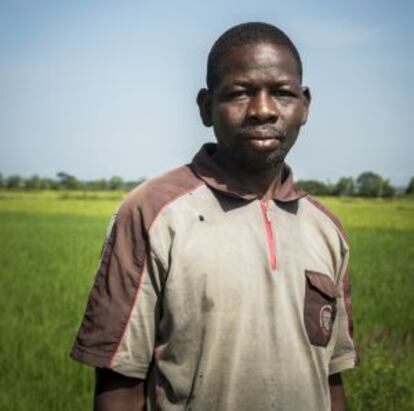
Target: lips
(263, 144)
(262, 133)
(262, 138)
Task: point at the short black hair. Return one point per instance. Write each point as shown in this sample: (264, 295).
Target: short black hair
(247, 33)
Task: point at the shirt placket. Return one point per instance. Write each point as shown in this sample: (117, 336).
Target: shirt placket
(270, 232)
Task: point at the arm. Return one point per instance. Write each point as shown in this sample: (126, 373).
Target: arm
(114, 391)
(338, 400)
(123, 291)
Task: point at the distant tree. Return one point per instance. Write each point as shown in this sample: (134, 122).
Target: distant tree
(49, 184)
(344, 187)
(369, 184)
(410, 187)
(100, 184)
(33, 183)
(314, 187)
(116, 183)
(67, 181)
(2, 182)
(14, 182)
(387, 190)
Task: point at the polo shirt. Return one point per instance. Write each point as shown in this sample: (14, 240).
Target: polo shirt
(220, 299)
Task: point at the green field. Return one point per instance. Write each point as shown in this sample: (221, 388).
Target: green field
(49, 249)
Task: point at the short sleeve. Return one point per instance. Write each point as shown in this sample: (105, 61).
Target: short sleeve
(344, 355)
(119, 323)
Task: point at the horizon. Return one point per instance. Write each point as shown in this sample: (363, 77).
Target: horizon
(140, 180)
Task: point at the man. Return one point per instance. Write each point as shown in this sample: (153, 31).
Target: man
(222, 286)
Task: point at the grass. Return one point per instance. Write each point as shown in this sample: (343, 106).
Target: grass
(49, 248)
(381, 234)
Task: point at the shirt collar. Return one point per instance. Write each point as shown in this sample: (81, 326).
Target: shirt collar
(221, 180)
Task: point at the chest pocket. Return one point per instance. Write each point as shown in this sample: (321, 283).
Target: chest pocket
(319, 307)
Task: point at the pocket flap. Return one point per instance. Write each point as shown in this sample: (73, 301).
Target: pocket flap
(323, 283)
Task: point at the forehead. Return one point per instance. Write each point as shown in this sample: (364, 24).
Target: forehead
(258, 60)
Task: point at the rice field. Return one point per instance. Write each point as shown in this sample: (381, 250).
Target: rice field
(49, 249)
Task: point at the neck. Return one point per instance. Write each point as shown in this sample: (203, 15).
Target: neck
(263, 182)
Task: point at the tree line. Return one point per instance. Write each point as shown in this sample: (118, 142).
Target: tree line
(65, 181)
(367, 184)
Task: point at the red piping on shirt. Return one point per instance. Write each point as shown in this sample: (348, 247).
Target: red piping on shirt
(269, 233)
(112, 359)
(143, 270)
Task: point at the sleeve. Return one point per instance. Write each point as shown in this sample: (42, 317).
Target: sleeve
(344, 354)
(118, 328)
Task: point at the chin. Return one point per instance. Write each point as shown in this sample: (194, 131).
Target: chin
(256, 162)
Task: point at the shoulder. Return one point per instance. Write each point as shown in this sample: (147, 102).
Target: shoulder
(151, 197)
(326, 215)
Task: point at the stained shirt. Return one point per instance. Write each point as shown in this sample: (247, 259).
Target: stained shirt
(220, 299)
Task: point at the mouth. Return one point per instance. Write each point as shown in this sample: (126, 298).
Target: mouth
(264, 138)
(264, 143)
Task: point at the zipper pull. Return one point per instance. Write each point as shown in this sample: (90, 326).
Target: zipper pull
(265, 204)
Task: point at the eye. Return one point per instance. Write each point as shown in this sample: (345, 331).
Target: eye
(283, 93)
(237, 94)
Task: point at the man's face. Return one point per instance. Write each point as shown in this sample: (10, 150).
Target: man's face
(257, 107)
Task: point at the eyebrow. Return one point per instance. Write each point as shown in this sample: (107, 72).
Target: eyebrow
(248, 83)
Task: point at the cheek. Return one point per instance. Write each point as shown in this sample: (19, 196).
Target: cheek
(229, 116)
(292, 116)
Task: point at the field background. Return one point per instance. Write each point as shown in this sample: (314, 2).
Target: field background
(49, 249)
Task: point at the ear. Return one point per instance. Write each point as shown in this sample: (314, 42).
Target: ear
(204, 102)
(307, 97)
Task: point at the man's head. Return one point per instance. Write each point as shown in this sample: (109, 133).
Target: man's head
(241, 35)
(254, 100)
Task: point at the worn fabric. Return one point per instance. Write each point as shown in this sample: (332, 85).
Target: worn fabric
(223, 301)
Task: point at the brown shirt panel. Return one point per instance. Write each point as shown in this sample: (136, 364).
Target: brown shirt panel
(117, 282)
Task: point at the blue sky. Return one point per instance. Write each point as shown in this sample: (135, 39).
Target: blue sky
(100, 88)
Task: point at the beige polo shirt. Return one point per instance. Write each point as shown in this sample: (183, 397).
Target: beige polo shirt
(223, 301)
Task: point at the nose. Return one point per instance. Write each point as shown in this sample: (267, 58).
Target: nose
(262, 109)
